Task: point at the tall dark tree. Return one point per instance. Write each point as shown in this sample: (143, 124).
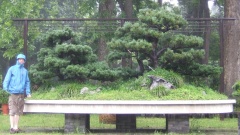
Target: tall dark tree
(160, 2)
(231, 53)
(199, 9)
(68, 9)
(127, 9)
(205, 13)
(106, 10)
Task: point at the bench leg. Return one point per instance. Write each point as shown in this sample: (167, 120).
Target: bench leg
(238, 123)
(178, 123)
(126, 122)
(77, 123)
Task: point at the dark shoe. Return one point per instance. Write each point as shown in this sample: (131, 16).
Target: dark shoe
(12, 131)
(18, 130)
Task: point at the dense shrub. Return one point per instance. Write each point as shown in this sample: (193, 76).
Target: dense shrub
(64, 57)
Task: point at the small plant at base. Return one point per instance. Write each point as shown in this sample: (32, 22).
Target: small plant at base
(160, 91)
(3, 96)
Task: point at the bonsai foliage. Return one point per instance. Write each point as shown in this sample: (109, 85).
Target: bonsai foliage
(65, 58)
(154, 38)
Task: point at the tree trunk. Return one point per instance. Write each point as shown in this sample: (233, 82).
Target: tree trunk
(127, 8)
(154, 57)
(160, 3)
(204, 13)
(106, 10)
(141, 66)
(231, 54)
(4, 67)
(102, 49)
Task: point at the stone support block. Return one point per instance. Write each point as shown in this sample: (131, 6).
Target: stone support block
(126, 122)
(177, 123)
(77, 123)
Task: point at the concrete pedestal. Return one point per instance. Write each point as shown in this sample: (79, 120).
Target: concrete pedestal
(77, 123)
(178, 123)
(126, 122)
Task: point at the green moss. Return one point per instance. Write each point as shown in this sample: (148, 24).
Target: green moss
(189, 92)
(186, 92)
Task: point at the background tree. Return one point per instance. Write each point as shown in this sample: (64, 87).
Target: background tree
(205, 13)
(199, 9)
(217, 10)
(126, 7)
(107, 9)
(160, 2)
(231, 57)
(11, 41)
(68, 9)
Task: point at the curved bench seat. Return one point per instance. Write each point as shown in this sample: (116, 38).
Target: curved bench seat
(129, 106)
(77, 112)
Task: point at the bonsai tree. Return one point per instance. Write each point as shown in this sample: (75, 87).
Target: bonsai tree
(65, 58)
(153, 38)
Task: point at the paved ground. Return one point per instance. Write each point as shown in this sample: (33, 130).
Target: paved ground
(43, 130)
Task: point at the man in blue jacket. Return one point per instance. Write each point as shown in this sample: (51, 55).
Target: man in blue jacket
(17, 83)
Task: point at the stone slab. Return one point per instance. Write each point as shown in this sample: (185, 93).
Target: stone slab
(129, 106)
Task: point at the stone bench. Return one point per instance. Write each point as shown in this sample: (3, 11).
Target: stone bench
(77, 112)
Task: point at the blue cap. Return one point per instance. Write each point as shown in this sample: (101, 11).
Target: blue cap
(21, 56)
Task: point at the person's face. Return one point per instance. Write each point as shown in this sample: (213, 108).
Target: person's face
(21, 61)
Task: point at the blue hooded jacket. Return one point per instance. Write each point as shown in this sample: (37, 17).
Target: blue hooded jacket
(16, 79)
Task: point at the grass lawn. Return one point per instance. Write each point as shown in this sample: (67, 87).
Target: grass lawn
(40, 124)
